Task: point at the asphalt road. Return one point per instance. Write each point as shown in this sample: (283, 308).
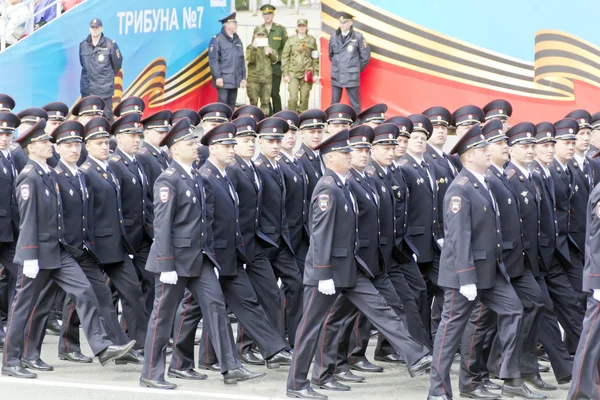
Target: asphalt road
(91, 382)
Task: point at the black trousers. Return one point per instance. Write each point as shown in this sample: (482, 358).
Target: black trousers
(108, 109)
(367, 299)
(207, 292)
(124, 278)
(227, 96)
(353, 95)
(146, 277)
(10, 270)
(275, 96)
(338, 328)
(69, 340)
(586, 382)
(574, 272)
(241, 299)
(73, 281)
(501, 299)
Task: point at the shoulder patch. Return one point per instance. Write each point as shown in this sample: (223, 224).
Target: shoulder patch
(206, 172)
(329, 180)
(455, 204)
(86, 166)
(25, 192)
(370, 170)
(323, 201)
(462, 181)
(510, 173)
(403, 162)
(170, 171)
(164, 193)
(27, 168)
(115, 158)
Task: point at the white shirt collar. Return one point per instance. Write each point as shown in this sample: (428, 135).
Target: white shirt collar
(479, 177)
(74, 171)
(5, 153)
(545, 169)
(131, 158)
(499, 169)
(103, 164)
(44, 166)
(438, 151)
(580, 160)
(288, 156)
(273, 163)
(222, 171)
(417, 159)
(360, 173)
(524, 171)
(564, 167)
(396, 164)
(186, 168)
(342, 178)
(154, 147)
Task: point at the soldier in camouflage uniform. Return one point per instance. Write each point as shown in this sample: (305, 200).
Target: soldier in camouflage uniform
(300, 54)
(277, 38)
(260, 61)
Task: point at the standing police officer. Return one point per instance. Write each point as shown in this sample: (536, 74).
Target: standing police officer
(312, 125)
(349, 54)
(226, 60)
(100, 60)
(153, 159)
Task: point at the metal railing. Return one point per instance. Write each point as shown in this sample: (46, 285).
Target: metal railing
(27, 23)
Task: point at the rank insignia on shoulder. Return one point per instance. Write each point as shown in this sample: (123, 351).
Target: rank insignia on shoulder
(27, 168)
(170, 171)
(144, 150)
(370, 170)
(258, 162)
(403, 162)
(462, 181)
(537, 170)
(323, 201)
(455, 204)
(86, 166)
(510, 173)
(115, 158)
(60, 172)
(206, 172)
(329, 180)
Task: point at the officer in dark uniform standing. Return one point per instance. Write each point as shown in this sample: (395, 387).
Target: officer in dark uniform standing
(41, 211)
(153, 159)
(111, 245)
(100, 60)
(183, 204)
(295, 182)
(273, 226)
(211, 115)
(498, 109)
(339, 116)
(135, 201)
(581, 171)
(312, 125)
(472, 268)
(349, 54)
(333, 268)
(226, 60)
(550, 334)
(57, 113)
(588, 351)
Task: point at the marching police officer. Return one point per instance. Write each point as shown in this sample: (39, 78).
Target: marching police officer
(339, 116)
(29, 117)
(349, 54)
(57, 113)
(498, 109)
(41, 255)
(154, 160)
(183, 204)
(333, 268)
(111, 244)
(472, 269)
(277, 40)
(100, 60)
(311, 124)
(226, 60)
(300, 66)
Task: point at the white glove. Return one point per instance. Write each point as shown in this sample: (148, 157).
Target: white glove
(415, 257)
(440, 242)
(244, 266)
(469, 291)
(597, 294)
(217, 272)
(170, 278)
(327, 287)
(31, 268)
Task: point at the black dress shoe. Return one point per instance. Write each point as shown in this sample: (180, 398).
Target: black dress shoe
(334, 386)
(489, 385)
(522, 392)
(538, 383)
(113, 352)
(190, 374)
(210, 367)
(565, 380)
(38, 365)
(53, 327)
(480, 393)
(240, 374)
(365, 366)
(442, 397)
(420, 367)
(307, 393)
(132, 357)
(76, 357)
(159, 384)
(393, 358)
(250, 358)
(543, 368)
(18, 372)
(348, 376)
(281, 358)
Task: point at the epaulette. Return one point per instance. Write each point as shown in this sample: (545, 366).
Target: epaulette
(13, 146)
(206, 172)
(370, 170)
(233, 163)
(170, 171)
(462, 181)
(27, 169)
(115, 158)
(300, 153)
(86, 166)
(258, 162)
(144, 150)
(403, 162)
(537, 170)
(59, 171)
(329, 180)
(510, 173)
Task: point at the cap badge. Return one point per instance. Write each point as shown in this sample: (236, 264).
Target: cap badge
(37, 118)
(391, 136)
(4, 124)
(314, 121)
(94, 107)
(403, 128)
(364, 138)
(249, 127)
(166, 122)
(548, 134)
(570, 130)
(482, 137)
(500, 111)
(340, 115)
(439, 117)
(528, 134)
(420, 125)
(58, 113)
(136, 107)
(231, 135)
(95, 20)
(72, 133)
(470, 116)
(274, 130)
(218, 114)
(582, 120)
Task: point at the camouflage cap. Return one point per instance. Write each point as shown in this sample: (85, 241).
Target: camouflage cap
(302, 21)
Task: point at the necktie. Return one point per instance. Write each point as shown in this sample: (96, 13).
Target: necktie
(140, 173)
(113, 179)
(426, 168)
(487, 187)
(452, 169)
(231, 189)
(349, 195)
(256, 181)
(12, 164)
(587, 170)
(81, 185)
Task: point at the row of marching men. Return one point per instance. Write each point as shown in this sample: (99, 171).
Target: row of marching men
(238, 245)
